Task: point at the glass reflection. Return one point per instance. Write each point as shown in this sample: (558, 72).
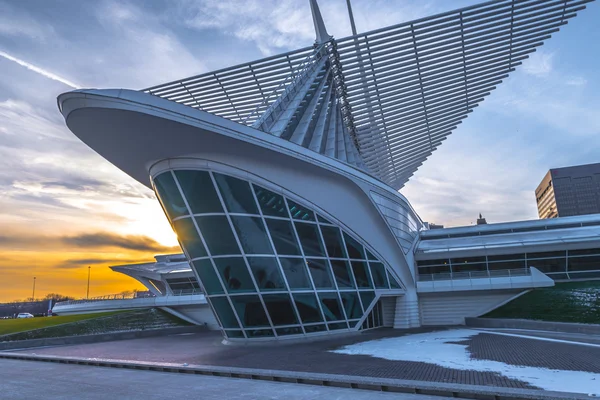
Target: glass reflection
(320, 272)
(252, 235)
(236, 194)
(169, 195)
(199, 191)
(280, 309)
(266, 273)
(188, 236)
(234, 274)
(250, 311)
(295, 273)
(283, 237)
(218, 235)
(309, 239)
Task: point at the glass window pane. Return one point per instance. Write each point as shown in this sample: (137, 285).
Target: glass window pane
(259, 333)
(588, 263)
(393, 283)
(333, 241)
(443, 261)
(307, 306)
(208, 276)
(199, 191)
(252, 234)
(338, 325)
(467, 260)
(351, 305)
(310, 239)
(549, 265)
(355, 249)
(236, 194)
(188, 237)
(234, 274)
(266, 273)
(546, 254)
(370, 256)
(584, 252)
(250, 311)
(270, 203)
(320, 218)
(367, 298)
(469, 267)
(280, 309)
(218, 235)
(234, 334)
(295, 273)
(224, 312)
(516, 264)
(439, 269)
(341, 271)
(315, 328)
(363, 280)
(504, 257)
(300, 212)
(331, 306)
(321, 273)
(283, 237)
(169, 195)
(290, 330)
(379, 277)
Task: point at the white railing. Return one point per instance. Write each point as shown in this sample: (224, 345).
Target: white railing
(450, 276)
(133, 296)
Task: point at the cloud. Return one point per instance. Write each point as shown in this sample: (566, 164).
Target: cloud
(39, 70)
(280, 25)
(576, 81)
(539, 64)
(106, 239)
(15, 23)
(83, 241)
(83, 262)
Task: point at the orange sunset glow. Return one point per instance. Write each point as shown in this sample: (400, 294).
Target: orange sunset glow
(57, 242)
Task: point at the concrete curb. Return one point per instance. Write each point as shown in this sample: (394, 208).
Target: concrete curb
(344, 381)
(104, 337)
(507, 323)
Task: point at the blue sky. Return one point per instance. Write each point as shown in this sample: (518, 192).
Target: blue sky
(545, 115)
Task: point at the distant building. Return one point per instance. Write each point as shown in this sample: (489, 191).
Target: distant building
(569, 191)
(430, 225)
(481, 220)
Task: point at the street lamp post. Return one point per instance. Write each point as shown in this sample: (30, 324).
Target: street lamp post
(87, 296)
(33, 294)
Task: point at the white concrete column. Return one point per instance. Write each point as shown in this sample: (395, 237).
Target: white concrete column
(407, 311)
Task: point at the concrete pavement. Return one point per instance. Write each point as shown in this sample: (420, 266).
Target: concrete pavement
(37, 380)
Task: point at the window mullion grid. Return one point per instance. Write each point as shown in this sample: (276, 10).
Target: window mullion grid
(385, 275)
(210, 258)
(281, 271)
(368, 266)
(345, 248)
(316, 294)
(243, 253)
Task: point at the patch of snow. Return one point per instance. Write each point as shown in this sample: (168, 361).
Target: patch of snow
(435, 348)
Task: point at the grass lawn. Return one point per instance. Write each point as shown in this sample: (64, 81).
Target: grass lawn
(565, 302)
(8, 326)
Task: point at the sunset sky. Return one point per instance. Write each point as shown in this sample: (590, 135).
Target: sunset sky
(64, 208)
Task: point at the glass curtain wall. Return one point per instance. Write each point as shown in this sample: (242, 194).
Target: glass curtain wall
(269, 266)
(558, 265)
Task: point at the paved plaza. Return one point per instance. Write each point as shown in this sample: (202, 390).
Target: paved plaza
(317, 357)
(25, 380)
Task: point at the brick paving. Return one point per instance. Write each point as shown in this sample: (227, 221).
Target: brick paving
(534, 353)
(206, 349)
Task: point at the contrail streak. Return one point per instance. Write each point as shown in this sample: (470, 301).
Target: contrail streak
(39, 70)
